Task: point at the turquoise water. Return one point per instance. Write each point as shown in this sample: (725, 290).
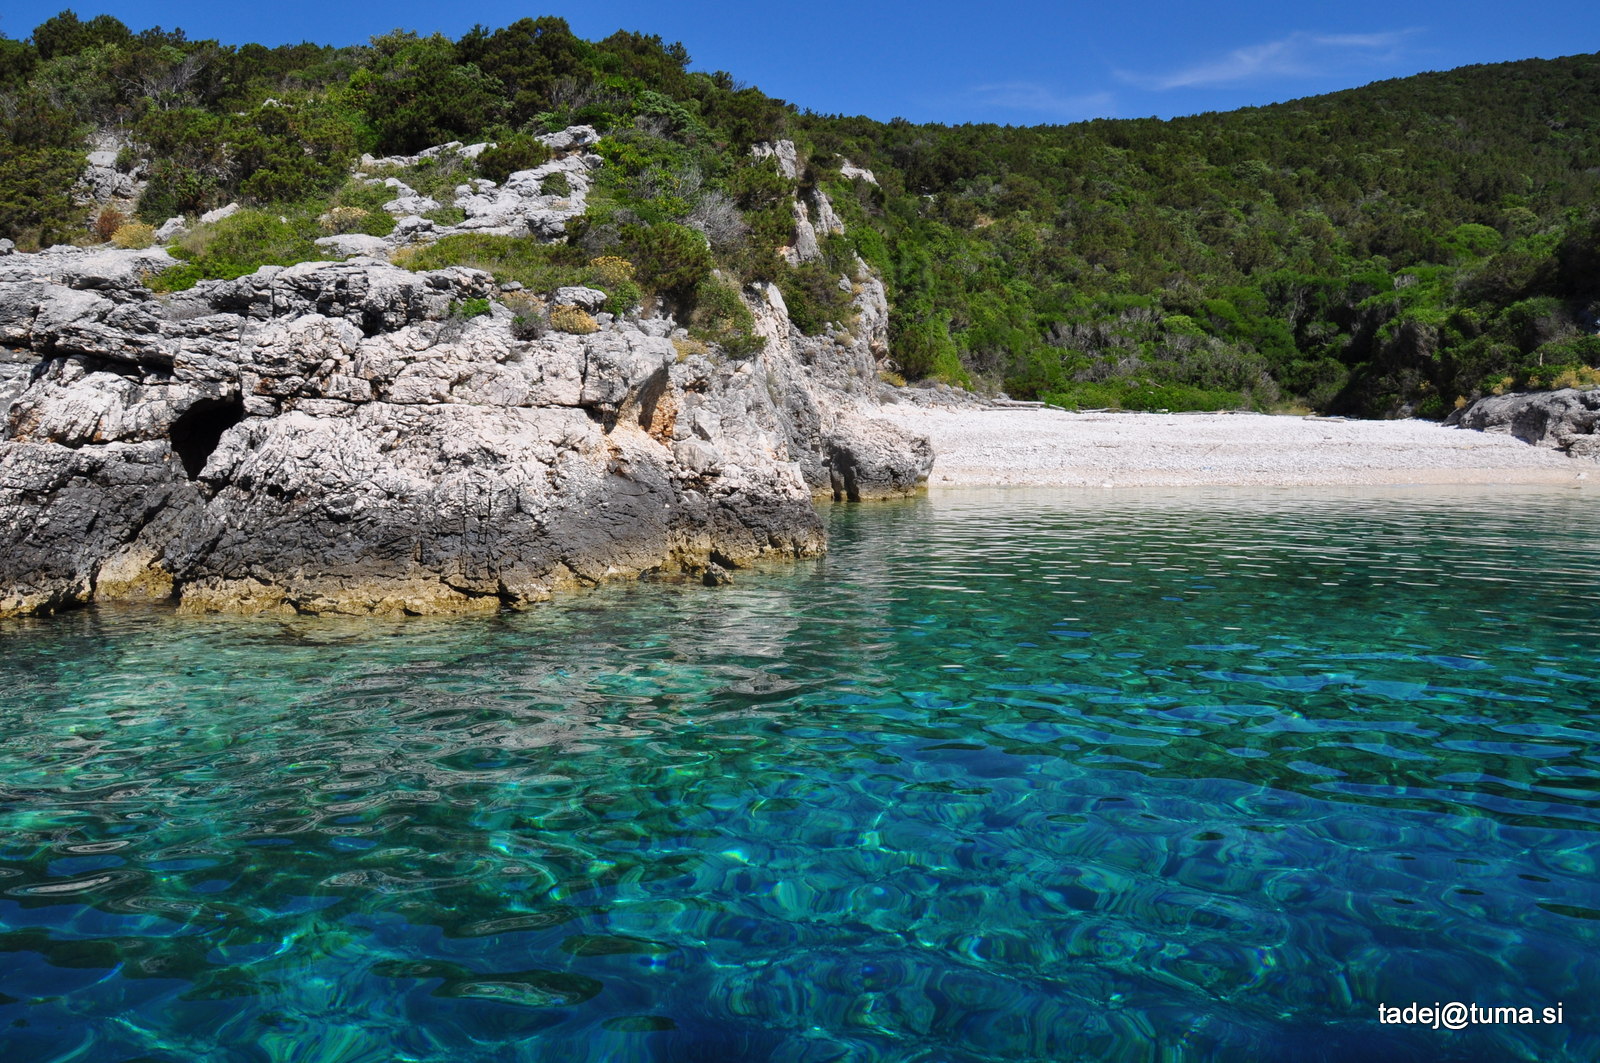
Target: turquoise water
(1007, 776)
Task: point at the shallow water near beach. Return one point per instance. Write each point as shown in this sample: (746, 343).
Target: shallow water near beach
(1009, 775)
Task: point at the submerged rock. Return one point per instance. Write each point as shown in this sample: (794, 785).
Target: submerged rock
(331, 438)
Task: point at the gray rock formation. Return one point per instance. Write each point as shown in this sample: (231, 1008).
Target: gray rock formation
(537, 202)
(589, 299)
(857, 173)
(807, 245)
(15, 369)
(101, 181)
(521, 206)
(329, 437)
(870, 459)
(783, 152)
(1563, 420)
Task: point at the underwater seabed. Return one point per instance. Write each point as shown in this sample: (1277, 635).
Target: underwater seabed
(1009, 775)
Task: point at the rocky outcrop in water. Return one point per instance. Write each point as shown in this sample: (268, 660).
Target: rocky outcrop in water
(1564, 420)
(335, 437)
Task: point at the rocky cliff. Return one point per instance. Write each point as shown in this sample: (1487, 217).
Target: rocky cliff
(338, 437)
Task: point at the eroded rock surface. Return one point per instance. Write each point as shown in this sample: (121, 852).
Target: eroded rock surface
(1563, 420)
(329, 437)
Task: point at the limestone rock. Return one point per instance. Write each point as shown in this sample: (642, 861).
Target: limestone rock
(15, 368)
(327, 437)
(589, 299)
(521, 206)
(857, 173)
(108, 269)
(571, 138)
(804, 247)
(827, 220)
(783, 153)
(220, 213)
(101, 180)
(104, 183)
(334, 437)
(346, 245)
(870, 460)
(403, 206)
(1564, 420)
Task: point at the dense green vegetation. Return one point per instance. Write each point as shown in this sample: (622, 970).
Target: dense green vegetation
(1402, 246)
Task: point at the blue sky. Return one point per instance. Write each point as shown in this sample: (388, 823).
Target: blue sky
(1008, 61)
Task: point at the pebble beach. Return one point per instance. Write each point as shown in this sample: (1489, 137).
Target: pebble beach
(978, 446)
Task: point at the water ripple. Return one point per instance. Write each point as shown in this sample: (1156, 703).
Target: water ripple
(1015, 775)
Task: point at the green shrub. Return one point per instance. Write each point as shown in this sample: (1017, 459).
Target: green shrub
(470, 308)
(446, 216)
(923, 348)
(621, 298)
(812, 294)
(356, 193)
(720, 317)
(1128, 394)
(555, 184)
(1086, 396)
(179, 278)
(239, 244)
(672, 258)
(538, 267)
(376, 223)
(436, 176)
(1575, 352)
(174, 189)
(41, 159)
(519, 152)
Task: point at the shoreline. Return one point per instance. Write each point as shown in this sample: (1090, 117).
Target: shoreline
(1041, 447)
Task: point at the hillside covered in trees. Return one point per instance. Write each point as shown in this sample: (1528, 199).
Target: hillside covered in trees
(1400, 247)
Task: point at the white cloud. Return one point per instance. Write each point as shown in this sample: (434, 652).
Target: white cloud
(1037, 98)
(1297, 55)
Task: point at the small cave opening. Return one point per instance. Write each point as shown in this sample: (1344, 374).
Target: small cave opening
(196, 433)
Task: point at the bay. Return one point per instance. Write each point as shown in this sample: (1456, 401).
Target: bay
(1008, 775)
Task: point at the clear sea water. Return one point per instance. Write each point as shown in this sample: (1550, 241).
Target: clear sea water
(1164, 776)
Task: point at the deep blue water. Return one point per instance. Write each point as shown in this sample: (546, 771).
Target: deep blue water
(1170, 776)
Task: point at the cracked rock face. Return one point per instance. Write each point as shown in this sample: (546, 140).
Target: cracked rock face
(328, 438)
